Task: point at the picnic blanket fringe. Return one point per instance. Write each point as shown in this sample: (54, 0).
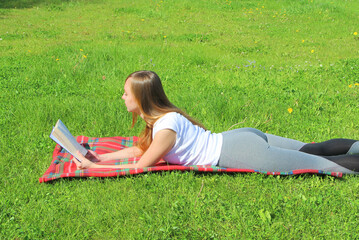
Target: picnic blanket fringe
(62, 165)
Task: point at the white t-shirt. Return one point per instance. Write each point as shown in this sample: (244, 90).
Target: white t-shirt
(194, 145)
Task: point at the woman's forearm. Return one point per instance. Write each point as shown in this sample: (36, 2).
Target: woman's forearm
(130, 152)
(120, 166)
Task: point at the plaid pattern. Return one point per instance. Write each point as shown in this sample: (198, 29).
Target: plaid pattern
(62, 165)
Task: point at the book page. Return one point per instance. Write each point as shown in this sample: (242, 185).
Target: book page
(61, 135)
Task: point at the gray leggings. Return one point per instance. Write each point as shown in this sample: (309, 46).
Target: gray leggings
(250, 148)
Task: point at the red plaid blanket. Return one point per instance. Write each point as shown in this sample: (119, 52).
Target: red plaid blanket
(62, 165)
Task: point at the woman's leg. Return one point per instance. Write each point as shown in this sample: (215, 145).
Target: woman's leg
(282, 142)
(251, 151)
(332, 147)
(273, 140)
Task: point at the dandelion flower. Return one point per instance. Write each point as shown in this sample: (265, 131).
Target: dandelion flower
(350, 85)
(356, 84)
(81, 50)
(355, 33)
(303, 41)
(84, 56)
(57, 59)
(312, 51)
(142, 19)
(290, 110)
(297, 30)
(164, 36)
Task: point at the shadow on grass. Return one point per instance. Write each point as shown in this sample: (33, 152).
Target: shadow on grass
(7, 4)
(299, 177)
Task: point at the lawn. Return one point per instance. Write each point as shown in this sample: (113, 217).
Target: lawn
(286, 67)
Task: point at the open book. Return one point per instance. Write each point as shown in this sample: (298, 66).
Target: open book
(61, 135)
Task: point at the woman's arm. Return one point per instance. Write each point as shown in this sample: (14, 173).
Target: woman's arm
(129, 152)
(162, 143)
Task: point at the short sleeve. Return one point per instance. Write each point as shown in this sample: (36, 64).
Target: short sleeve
(168, 121)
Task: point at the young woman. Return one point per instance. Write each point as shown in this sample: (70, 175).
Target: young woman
(177, 138)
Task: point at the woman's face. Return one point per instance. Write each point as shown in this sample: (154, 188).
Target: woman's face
(129, 98)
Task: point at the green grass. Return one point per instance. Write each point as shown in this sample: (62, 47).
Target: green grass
(241, 63)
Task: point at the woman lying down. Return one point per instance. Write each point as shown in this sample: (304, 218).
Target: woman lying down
(172, 135)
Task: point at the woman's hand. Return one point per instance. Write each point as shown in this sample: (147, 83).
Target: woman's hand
(85, 163)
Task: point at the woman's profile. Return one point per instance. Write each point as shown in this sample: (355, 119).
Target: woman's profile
(172, 135)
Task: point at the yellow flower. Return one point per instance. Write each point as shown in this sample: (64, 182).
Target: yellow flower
(290, 110)
(356, 84)
(81, 50)
(164, 36)
(312, 51)
(297, 30)
(350, 85)
(355, 33)
(142, 19)
(57, 59)
(84, 56)
(303, 41)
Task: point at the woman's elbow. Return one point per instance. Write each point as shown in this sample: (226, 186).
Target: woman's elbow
(143, 164)
(140, 165)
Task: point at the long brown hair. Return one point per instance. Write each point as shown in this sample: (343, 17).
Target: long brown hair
(153, 103)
